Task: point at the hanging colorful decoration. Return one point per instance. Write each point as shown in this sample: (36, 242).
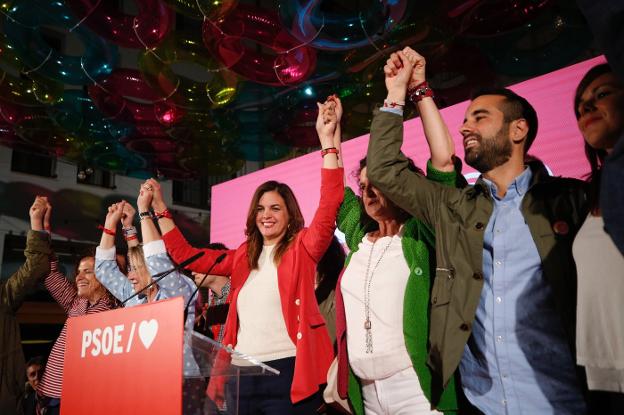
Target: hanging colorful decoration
(77, 114)
(255, 142)
(125, 96)
(113, 156)
(198, 9)
(487, 18)
(558, 35)
(342, 25)
(185, 112)
(208, 152)
(147, 29)
(290, 63)
(23, 29)
(15, 87)
(158, 67)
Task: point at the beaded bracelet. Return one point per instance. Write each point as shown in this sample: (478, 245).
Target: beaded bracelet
(420, 91)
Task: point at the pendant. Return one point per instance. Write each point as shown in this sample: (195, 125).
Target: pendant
(367, 325)
(369, 341)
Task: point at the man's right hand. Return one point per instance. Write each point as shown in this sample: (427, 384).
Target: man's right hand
(37, 212)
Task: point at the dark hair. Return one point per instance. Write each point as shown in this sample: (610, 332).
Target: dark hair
(254, 237)
(217, 245)
(89, 252)
(514, 107)
(594, 156)
(589, 77)
(37, 360)
(328, 269)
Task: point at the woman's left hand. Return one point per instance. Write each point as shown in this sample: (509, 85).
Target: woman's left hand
(127, 215)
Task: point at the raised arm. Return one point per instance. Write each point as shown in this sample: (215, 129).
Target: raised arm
(436, 131)
(36, 266)
(318, 236)
(387, 166)
(178, 247)
(106, 269)
(129, 230)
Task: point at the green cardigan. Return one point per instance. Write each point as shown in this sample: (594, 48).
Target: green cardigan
(419, 250)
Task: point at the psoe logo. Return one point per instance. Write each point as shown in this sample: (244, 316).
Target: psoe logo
(114, 340)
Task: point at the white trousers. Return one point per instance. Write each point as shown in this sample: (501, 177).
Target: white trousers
(399, 394)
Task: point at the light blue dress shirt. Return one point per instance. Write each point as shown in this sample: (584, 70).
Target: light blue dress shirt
(173, 285)
(517, 360)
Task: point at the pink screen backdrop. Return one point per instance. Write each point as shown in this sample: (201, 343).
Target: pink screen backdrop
(558, 144)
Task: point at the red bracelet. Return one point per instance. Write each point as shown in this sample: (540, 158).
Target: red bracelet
(106, 231)
(164, 214)
(392, 104)
(420, 91)
(131, 237)
(329, 150)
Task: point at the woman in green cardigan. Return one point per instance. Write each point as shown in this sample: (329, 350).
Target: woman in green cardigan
(382, 298)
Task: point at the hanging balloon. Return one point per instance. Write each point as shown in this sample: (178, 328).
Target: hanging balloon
(149, 143)
(290, 63)
(406, 34)
(342, 25)
(161, 65)
(113, 156)
(20, 89)
(487, 18)
(551, 40)
(23, 30)
(198, 9)
(167, 165)
(296, 127)
(125, 96)
(209, 153)
(77, 114)
(39, 130)
(254, 141)
(147, 29)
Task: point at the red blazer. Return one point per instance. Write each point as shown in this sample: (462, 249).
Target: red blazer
(296, 275)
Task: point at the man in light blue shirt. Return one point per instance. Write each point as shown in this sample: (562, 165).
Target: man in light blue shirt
(504, 296)
(518, 359)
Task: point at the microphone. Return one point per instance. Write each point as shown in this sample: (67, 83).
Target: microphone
(218, 260)
(161, 275)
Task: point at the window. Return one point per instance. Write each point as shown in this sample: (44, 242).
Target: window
(95, 177)
(32, 163)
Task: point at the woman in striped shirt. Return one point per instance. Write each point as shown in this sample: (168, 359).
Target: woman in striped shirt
(85, 296)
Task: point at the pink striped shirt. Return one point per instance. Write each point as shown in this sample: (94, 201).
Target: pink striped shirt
(66, 294)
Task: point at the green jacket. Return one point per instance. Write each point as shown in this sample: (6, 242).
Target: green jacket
(554, 209)
(12, 293)
(417, 242)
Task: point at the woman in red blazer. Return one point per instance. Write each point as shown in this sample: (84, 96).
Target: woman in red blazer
(274, 315)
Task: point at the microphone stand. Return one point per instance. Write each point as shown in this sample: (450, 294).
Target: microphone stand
(218, 260)
(158, 277)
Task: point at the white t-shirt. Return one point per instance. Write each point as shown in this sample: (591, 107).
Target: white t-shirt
(599, 313)
(387, 292)
(262, 330)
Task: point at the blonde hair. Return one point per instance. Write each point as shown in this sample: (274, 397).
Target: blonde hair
(136, 259)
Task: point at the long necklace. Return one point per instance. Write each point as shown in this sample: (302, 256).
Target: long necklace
(368, 279)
